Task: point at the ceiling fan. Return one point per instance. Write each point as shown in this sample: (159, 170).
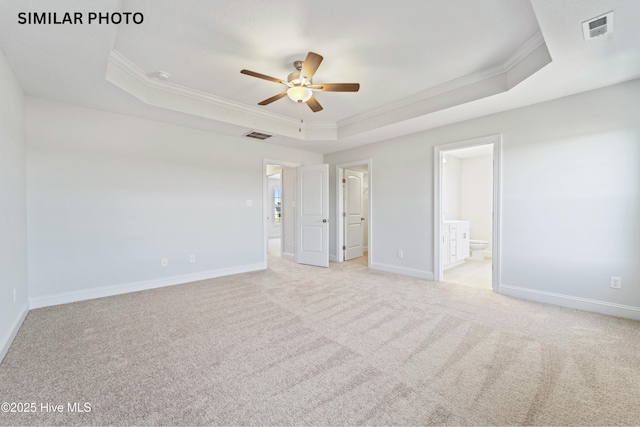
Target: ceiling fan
(300, 84)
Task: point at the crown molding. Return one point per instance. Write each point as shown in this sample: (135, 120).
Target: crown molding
(522, 63)
(320, 125)
(116, 58)
(515, 58)
(130, 78)
(523, 51)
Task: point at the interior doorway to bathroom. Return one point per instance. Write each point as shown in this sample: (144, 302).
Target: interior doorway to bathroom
(466, 212)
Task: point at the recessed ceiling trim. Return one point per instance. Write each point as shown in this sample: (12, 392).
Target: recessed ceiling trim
(468, 93)
(475, 89)
(320, 125)
(514, 59)
(433, 91)
(523, 51)
(130, 78)
(522, 63)
(122, 62)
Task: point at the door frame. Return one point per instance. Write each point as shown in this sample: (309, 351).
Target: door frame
(265, 204)
(339, 257)
(438, 152)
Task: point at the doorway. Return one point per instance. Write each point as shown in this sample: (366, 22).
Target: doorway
(353, 212)
(279, 188)
(274, 209)
(301, 207)
(467, 212)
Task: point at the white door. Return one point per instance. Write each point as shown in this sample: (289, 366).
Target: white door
(353, 214)
(312, 213)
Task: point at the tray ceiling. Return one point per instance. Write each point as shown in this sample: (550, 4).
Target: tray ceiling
(425, 64)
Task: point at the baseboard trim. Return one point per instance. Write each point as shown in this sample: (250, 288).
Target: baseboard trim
(420, 274)
(289, 256)
(107, 291)
(4, 349)
(586, 304)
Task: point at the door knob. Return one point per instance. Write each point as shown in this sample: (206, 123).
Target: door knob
(324, 220)
(361, 219)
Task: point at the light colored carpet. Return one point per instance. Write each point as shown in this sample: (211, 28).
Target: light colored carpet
(298, 345)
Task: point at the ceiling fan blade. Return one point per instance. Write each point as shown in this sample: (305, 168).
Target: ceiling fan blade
(310, 66)
(314, 104)
(273, 98)
(336, 87)
(262, 76)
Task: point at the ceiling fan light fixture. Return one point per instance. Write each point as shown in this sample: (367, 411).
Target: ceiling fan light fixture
(299, 93)
(300, 84)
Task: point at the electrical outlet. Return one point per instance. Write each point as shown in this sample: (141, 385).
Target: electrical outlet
(400, 253)
(616, 282)
(164, 262)
(192, 259)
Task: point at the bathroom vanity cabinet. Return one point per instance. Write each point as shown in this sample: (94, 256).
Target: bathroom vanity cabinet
(455, 243)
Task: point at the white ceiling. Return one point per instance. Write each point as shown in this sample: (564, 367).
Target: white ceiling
(407, 59)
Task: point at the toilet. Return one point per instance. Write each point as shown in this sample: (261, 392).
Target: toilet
(477, 248)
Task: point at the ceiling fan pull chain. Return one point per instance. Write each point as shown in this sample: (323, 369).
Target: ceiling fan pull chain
(301, 120)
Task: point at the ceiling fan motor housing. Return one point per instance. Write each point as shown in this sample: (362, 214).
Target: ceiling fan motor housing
(294, 78)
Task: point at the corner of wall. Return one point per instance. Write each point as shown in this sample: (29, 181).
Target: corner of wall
(12, 331)
(14, 304)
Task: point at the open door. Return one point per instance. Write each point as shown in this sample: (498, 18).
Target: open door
(312, 212)
(353, 214)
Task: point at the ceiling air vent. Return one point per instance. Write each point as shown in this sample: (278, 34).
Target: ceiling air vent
(598, 26)
(258, 135)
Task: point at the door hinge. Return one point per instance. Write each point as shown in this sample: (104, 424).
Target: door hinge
(344, 214)
(344, 181)
(344, 248)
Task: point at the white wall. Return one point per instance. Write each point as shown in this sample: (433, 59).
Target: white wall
(399, 183)
(476, 196)
(570, 198)
(13, 212)
(451, 188)
(110, 195)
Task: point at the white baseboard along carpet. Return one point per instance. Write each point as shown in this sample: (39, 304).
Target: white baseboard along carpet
(298, 345)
